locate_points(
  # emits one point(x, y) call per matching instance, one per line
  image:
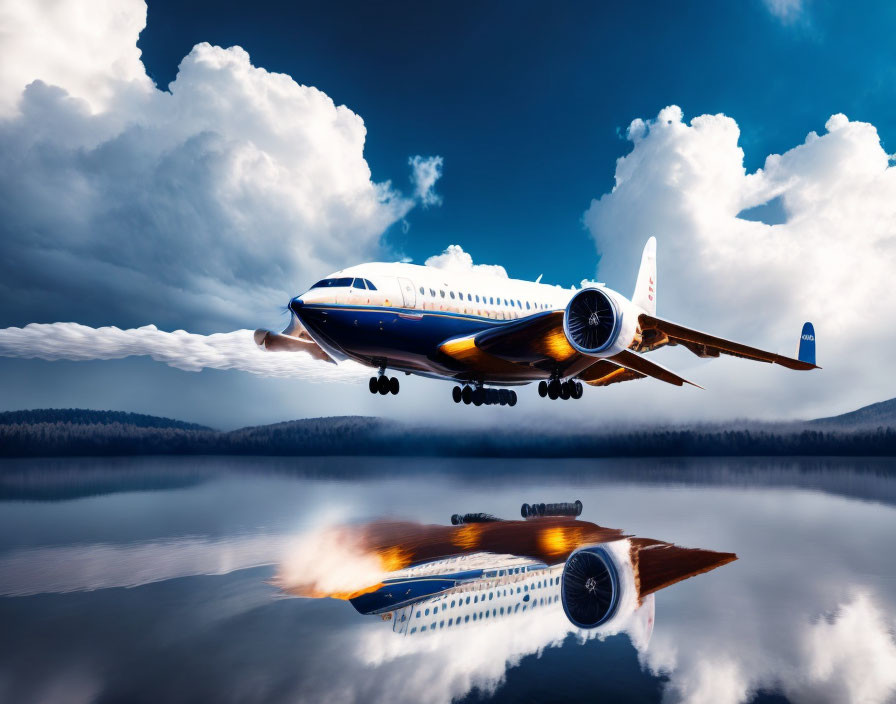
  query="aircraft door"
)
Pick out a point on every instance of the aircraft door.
point(408, 294)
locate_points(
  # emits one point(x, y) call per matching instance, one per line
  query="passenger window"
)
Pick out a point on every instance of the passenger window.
point(469, 297)
point(422, 292)
point(519, 304)
point(477, 298)
point(442, 293)
point(432, 292)
point(451, 293)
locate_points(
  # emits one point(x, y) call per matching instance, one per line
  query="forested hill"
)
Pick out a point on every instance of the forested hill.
point(877, 414)
point(80, 416)
point(74, 432)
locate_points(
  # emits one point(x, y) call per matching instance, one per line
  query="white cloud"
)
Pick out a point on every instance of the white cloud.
point(425, 171)
point(88, 49)
point(829, 262)
point(454, 258)
point(787, 11)
point(182, 350)
point(209, 204)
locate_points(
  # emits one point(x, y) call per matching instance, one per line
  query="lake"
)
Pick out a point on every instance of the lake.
point(176, 580)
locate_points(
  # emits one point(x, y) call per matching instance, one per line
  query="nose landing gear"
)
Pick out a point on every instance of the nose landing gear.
point(480, 395)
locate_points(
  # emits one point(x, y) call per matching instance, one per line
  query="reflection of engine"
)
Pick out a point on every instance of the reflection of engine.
point(591, 322)
point(590, 587)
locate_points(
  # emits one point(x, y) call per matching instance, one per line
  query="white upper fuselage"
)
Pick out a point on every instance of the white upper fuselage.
point(432, 289)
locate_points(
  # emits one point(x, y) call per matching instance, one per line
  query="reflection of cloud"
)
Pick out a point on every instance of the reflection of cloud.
point(73, 568)
point(180, 349)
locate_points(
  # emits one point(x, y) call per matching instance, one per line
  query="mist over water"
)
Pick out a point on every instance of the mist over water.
point(157, 577)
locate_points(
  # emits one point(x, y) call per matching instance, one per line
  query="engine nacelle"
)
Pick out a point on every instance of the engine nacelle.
point(590, 587)
point(595, 322)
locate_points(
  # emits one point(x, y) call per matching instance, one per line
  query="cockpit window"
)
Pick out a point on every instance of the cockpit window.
point(370, 286)
point(359, 283)
point(333, 283)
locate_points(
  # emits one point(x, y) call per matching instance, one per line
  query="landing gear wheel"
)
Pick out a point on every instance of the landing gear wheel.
point(456, 394)
point(554, 389)
point(564, 391)
point(372, 385)
point(492, 397)
point(542, 388)
point(478, 397)
point(503, 397)
point(393, 386)
point(512, 400)
point(576, 389)
point(467, 395)
point(382, 385)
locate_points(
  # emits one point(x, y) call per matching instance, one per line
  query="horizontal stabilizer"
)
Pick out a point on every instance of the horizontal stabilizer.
point(635, 362)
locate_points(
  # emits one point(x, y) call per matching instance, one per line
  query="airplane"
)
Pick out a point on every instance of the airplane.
point(489, 334)
point(440, 578)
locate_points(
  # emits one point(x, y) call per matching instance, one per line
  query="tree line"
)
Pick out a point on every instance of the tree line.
point(96, 435)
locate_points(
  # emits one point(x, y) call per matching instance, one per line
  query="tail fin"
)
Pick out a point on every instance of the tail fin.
point(645, 287)
point(806, 351)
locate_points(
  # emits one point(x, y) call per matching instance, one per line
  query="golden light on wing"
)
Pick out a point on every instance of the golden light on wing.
point(604, 373)
point(468, 536)
point(556, 346)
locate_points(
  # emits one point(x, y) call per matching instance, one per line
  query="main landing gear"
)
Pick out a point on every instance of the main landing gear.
point(555, 389)
point(383, 385)
point(479, 395)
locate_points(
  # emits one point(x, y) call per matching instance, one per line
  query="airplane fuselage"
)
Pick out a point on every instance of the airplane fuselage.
point(396, 316)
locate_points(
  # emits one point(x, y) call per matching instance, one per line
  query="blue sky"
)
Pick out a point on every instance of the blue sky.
point(205, 208)
point(527, 102)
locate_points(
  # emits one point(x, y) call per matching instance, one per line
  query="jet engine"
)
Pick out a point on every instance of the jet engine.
point(590, 587)
point(592, 321)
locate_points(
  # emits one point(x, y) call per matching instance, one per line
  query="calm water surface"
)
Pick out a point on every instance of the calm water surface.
point(161, 580)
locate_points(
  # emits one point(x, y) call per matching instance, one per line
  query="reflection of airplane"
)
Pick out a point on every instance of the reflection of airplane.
point(449, 577)
point(483, 329)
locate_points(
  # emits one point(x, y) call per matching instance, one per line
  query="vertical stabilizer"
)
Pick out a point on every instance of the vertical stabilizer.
point(645, 287)
point(806, 350)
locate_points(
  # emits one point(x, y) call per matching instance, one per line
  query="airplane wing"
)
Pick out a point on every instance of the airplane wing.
point(705, 345)
point(604, 373)
point(538, 341)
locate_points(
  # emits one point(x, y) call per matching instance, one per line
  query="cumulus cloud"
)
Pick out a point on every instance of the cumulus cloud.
point(454, 258)
point(179, 349)
point(825, 257)
point(203, 204)
point(425, 171)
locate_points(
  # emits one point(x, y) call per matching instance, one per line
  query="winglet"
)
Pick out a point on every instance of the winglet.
point(645, 287)
point(806, 351)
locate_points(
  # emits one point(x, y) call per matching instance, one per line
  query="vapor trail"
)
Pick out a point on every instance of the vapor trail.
point(179, 349)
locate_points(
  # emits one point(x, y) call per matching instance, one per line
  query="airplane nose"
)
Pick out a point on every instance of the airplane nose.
point(296, 304)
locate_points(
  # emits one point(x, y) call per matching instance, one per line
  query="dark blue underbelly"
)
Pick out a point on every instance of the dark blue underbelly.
point(399, 335)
